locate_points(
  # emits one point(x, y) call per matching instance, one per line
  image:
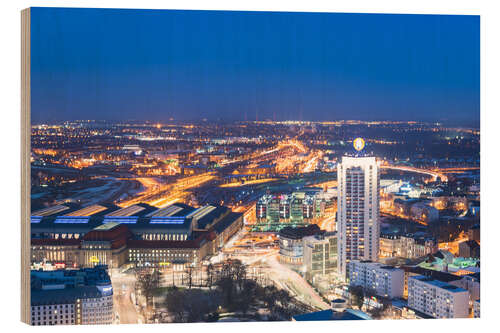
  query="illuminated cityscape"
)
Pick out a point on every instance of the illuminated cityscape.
point(175, 211)
point(287, 173)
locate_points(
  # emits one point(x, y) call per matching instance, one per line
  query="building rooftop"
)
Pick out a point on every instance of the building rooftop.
point(167, 244)
point(124, 230)
point(348, 314)
point(107, 226)
point(221, 225)
point(437, 283)
point(167, 211)
point(55, 242)
point(471, 244)
point(299, 233)
point(66, 286)
point(211, 215)
point(376, 264)
point(63, 296)
point(50, 210)
point(138, 218)
point(114, 233)
point(444, 260)
point(88, 211)
point(437, 275)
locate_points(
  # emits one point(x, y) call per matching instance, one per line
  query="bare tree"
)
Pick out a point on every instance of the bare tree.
point(210, 270)
point(189, 272)
point(174, 302)
point(147, 283)
point(193, 305)
point(357, 295)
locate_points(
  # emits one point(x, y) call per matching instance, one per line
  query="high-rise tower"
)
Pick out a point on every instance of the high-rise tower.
point(358, 227)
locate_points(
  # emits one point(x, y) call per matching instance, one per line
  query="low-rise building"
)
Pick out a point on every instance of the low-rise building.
point(330, 314)
point(408, 246)
point(436, 275)
point(166, 253)
point(477, 309)
point(445, 261)
point(423, 212)
point(436, 298)
point(390, 246)
point(174, 234)
point(474, 208)
point(106, 245)
point(225, 228)
point(474, 233)
point(418, 209)
point(291, 244)
point(71, 297)
point(415, 246)
point(61, 252)
point(471, 283)
point(382, 280)
point(320, 254)
point(469, 249)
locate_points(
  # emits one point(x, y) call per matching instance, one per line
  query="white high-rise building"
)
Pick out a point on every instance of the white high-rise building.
point(358, 225)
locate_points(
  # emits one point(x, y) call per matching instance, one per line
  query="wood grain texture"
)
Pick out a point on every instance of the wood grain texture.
point(25, 164)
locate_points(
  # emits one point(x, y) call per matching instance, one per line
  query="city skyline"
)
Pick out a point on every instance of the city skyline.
point(253, 66)
point(214, 166)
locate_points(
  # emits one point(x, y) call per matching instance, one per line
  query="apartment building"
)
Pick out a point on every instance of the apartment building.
point(383, 280)
point(436, 298)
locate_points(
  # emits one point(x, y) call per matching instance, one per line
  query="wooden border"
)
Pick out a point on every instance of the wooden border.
point(25, 164)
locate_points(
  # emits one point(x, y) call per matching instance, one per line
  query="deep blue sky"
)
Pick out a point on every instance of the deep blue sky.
point(153, 65)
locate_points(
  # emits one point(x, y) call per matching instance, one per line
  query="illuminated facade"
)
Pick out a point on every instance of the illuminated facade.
point(358, 210)
point(407, 246)
point(153, 239)
point(297, 207)
point(292, 244)
point(71, 297)
point(383, 280)
point(62, 252)
point(320, 254)
point(436, 298)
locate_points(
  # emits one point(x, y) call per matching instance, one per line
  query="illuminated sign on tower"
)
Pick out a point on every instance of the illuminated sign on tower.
point(358, 144)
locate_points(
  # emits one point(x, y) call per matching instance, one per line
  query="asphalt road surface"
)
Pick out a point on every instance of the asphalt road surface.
point(123, 287)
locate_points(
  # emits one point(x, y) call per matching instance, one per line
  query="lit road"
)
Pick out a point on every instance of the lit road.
point(149, 183)
point(179, 190)
point(310, 165)
point(457, 170)
point(249, 182)
point(328, 223)
point(454, 245)
point(292, 281)
point(434, 174)
point(123, 287)
point(265, 257)
point(176, 191)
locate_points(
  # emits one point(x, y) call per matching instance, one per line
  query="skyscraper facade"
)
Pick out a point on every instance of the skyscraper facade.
point(358, 209)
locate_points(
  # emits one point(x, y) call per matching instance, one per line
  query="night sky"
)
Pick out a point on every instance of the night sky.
point(189, 65)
